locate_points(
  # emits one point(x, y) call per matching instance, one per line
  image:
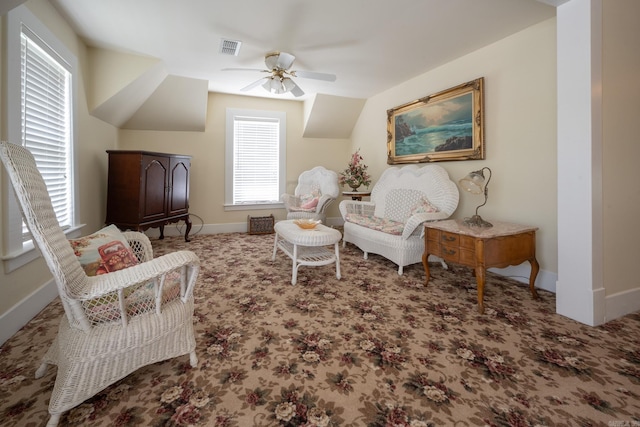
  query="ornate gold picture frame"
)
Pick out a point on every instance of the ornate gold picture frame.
point(447, 125)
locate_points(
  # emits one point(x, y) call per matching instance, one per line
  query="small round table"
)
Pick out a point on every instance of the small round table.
point(356, 195)
point(307, 246)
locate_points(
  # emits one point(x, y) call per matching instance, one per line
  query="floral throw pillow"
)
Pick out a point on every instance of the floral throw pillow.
point(311, 204)
point(306, 198)
point(308, 202)
point(104, 251)
point(424, 206)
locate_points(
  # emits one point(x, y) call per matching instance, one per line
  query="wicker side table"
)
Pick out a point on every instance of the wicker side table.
point(307, 247)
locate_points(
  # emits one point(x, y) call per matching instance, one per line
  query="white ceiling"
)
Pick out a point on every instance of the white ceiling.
point(370, 45)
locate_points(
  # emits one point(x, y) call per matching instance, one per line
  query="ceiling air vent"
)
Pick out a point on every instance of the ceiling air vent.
point(230, 47)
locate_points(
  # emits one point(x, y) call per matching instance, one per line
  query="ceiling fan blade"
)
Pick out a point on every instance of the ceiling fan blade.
point(245, 69)
point(296, 91)
point(313, 75)
point(285, 60)
point(254, 84)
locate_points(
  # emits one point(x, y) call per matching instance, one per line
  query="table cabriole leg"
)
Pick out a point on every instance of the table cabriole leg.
point(480, 272)
point(480, 281)
point(187, 221)
point(535, 267)
point(425, 264)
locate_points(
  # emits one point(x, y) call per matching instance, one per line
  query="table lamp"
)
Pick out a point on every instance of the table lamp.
point(475, 183)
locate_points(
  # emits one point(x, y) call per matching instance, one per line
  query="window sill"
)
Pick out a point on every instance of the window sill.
point(253, 206)
point(28, 253)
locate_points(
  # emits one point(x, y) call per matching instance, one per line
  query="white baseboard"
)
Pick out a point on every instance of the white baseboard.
point(545, 280)
point(21, 313)
point(621, 304)
point(237, 227)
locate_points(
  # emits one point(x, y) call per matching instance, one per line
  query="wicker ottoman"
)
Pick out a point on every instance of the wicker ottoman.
point(307, 247)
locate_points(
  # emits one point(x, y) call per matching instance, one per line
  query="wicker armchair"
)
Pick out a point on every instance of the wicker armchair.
point(316, 190)
point(93, 352)
point(390, 224)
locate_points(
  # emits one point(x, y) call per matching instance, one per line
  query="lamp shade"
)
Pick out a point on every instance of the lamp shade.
point(473, 182)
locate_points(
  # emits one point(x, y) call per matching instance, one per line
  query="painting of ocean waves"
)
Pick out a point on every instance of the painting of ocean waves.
point(442, 126)
point(429, 139)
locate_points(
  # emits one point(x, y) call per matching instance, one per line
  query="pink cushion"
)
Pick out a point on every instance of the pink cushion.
point(310, 204)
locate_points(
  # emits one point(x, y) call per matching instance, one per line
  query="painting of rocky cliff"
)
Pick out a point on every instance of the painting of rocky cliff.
point(443, 126)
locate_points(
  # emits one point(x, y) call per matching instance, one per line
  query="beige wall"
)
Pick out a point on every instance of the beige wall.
point(621, 147)
point(520, 133)
point(208, 151)
point(520, 130)
point(92, 138)
point(520, 142)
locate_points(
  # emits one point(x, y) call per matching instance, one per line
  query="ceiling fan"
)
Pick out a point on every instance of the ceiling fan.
point(279, 81)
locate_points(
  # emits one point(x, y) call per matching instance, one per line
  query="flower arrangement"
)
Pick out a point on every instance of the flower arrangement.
point(356, 174)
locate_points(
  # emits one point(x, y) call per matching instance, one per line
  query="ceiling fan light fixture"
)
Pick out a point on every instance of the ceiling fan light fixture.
point(280, 81)
point(274, 85)
point(267, 84)
point(288, 84)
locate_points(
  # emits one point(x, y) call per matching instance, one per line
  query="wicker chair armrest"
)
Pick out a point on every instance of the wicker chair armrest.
point(324, 202)
point(156, 268)
point(140, 244)
point(290, 201)
point(137, 290)
point(356, 207)
point(416, 220)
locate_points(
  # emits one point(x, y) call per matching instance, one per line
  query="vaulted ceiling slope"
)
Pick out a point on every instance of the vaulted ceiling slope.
point(370, 45)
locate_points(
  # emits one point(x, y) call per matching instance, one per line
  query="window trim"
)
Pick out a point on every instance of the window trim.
point(16, 252)
point(231, 113)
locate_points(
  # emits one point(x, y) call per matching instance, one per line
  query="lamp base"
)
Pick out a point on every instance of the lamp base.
point(477, 221)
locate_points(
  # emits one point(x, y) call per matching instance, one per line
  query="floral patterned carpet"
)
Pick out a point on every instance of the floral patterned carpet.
point(371, 349)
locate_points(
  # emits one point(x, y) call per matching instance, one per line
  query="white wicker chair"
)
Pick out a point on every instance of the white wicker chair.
point(92, 355)
point(318, 180)
point(393, 197)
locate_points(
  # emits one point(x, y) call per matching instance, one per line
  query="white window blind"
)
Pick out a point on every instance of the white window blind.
point(256, 160)
point(46, 121)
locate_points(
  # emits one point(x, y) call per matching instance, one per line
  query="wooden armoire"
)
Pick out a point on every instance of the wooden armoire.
point(148, 189)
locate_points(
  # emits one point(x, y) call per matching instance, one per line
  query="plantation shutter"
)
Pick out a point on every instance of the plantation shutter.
point(46, 122)
point(256, 160)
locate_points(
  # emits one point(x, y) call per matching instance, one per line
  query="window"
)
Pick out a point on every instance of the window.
point(40, 116)
point(255, 159)
point(46, 122)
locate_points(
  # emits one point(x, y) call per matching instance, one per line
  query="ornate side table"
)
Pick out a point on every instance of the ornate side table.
point(356, 195)
point(499, 246)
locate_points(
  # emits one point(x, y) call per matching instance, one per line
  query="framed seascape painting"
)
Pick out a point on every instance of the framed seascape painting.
point(447, 125)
